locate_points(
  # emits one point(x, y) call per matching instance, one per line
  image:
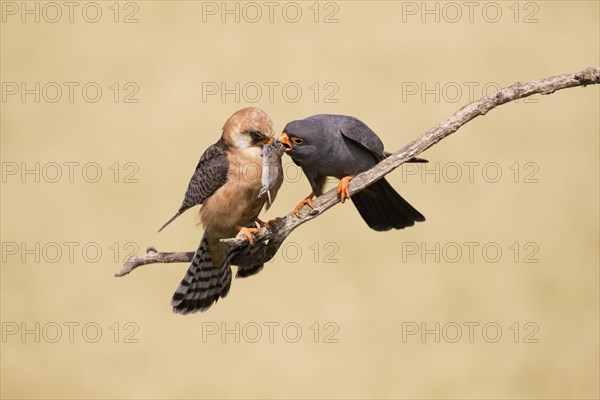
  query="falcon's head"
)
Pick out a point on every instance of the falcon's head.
point(248, 127)
point(304, 141)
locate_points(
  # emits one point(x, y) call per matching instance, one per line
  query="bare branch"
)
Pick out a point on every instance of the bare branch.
point(151, 257)
point(271, 239)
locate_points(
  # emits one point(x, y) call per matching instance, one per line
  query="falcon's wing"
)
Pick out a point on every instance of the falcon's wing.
point(362, 135)
point(210, 175)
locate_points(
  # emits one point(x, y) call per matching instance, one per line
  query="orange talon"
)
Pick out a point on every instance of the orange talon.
point(343, 188)
point(248, 232)
point(307, 201)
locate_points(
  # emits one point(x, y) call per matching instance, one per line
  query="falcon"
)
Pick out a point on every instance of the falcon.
point(342, 146)
point(227, 182)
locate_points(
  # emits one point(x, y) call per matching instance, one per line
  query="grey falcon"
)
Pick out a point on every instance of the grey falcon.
point(342, 146)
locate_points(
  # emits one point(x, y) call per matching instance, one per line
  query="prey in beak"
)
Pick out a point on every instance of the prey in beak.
point(285, 141)
point(267, 140)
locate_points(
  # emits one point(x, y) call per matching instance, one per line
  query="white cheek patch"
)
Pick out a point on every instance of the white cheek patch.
point(241, 142)
point(255, 151)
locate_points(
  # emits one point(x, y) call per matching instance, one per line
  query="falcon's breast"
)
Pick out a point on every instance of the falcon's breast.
point(236, 203)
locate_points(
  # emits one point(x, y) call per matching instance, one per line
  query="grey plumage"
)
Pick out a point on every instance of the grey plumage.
point(204, 283)
point(272, 171)
point(336, 145)
point(247, 250)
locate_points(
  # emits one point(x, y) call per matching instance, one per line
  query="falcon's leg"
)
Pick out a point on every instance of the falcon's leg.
point(307, 201)
point(248, 232)
point(343, 188)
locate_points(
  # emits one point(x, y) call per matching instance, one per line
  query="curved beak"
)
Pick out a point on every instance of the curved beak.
point(285, 141)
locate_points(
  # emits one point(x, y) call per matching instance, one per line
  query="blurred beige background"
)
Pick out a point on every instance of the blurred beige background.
point(344, 312)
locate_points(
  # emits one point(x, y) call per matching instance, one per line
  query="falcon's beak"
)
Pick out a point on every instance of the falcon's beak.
point(266, 140)
point(285, 141)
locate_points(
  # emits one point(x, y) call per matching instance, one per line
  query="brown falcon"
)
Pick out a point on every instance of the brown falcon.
point(227, 183)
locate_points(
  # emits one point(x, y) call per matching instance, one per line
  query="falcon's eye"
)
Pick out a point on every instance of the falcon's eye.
point(297, 140)
point(256, 135)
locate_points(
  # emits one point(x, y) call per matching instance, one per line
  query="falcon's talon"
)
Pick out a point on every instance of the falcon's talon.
point(229, 205)
point(248, 232)
point(307, 201)
point(343, 188)
point(342, 146)
point(269, 224)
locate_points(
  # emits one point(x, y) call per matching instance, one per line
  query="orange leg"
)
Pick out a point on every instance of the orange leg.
point(248, 232)
point(343, 188)
point(307, 201)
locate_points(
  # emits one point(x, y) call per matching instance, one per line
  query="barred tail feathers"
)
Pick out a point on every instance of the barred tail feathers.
point(204, 283)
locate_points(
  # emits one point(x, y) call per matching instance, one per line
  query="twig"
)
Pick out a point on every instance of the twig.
point(151, 257)
point(271, 239)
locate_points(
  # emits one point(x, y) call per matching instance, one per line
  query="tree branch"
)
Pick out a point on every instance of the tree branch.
point(151, 257)
point(270, 239)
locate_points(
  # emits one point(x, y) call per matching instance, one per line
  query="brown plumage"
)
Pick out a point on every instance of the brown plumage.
point(227, 182)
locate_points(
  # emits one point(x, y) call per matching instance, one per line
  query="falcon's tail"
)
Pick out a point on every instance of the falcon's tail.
point(203, 283)
point(383, 208)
